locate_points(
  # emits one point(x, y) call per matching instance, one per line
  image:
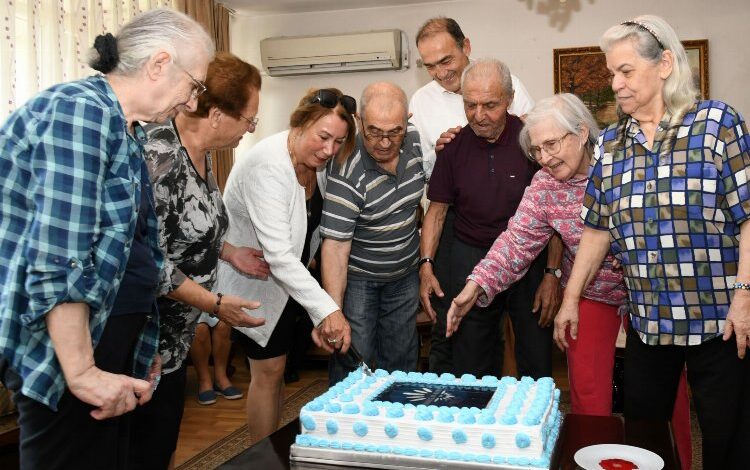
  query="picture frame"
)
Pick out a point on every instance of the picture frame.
point(583, 72)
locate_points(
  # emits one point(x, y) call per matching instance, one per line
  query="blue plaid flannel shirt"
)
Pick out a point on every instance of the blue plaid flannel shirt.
point(674, 217)
point(70, 178)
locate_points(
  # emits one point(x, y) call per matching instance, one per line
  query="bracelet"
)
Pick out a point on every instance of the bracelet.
point(219, 295)
point(426, 260)
point(741, 285)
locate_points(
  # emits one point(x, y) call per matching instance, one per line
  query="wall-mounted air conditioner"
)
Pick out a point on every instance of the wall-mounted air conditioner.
point(353, 52)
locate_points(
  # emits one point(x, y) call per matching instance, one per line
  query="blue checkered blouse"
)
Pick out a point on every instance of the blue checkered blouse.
point(70, 178)
point(674, 216)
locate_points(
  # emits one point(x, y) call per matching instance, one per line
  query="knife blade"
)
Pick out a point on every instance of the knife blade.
point(359, 360)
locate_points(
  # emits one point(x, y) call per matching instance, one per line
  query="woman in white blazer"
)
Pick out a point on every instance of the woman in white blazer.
point(274, 202)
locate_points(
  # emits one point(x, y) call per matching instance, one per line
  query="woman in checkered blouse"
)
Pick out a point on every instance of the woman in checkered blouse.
point(668, 192)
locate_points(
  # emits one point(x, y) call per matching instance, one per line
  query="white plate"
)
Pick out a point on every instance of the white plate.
point(589, 457)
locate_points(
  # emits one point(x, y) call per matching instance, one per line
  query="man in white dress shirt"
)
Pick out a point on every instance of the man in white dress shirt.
point(435, 108)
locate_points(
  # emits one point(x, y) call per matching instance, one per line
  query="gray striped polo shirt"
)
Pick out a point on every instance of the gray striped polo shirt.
point(377, 211)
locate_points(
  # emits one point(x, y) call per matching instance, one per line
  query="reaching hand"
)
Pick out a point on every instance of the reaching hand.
point(460, 307)
point(250, 261)
point(153, 377)
point(232, 312)
point(333, 333)
point(428, 284)
point(111, 394)
point(446, 137)
point(566, 317)
point(547, 300)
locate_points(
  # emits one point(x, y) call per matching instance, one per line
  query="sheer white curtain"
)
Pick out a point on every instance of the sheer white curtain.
point(47, 41)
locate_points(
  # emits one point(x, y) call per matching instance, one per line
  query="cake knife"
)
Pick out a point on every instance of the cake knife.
point(359, 360)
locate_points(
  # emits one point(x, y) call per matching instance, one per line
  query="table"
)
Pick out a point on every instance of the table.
point(578, 431)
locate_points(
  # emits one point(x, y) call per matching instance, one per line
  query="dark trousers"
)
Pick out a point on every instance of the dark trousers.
point(477, 347)
point(155, 426)
point(70, 437)
point(719, 383)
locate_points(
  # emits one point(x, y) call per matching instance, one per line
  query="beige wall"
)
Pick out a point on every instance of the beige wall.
point(512, 30)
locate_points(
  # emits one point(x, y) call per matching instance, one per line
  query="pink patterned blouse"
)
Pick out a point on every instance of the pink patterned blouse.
point(547, 206)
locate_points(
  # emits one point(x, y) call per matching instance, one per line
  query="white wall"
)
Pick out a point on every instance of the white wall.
point(516, 31)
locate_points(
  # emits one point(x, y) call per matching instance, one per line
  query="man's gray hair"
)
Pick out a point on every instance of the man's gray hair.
point(155, 30)
point(488, 69)
point(383, 89)
point(568, 111)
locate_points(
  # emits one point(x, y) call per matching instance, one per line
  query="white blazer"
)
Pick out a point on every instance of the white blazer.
point(266, 207)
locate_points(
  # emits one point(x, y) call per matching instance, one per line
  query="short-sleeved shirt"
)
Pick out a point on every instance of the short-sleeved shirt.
point(377, 211)
point(674, 217)
point(70, 186)
point(483, 181)
point(193, 222)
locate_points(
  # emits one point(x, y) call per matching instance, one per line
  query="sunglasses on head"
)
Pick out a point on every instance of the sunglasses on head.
point(330, 99)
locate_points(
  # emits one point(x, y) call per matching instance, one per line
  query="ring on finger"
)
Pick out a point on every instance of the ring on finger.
point(332, 340)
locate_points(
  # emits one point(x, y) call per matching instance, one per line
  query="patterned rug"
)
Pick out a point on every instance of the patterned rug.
point(239, 440)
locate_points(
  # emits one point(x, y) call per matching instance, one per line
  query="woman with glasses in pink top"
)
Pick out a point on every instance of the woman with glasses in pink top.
point(559, 134)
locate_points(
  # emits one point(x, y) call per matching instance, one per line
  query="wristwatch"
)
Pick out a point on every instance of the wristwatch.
point(557, 272)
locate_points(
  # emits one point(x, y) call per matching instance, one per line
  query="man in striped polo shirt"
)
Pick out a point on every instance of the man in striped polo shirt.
point(371, 246)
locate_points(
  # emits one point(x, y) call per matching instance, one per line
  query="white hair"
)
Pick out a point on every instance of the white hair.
point(489, 69)
point(570, 114)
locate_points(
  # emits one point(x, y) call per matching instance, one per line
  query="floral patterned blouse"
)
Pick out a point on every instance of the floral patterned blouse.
point(547, 206)
point(192, 224)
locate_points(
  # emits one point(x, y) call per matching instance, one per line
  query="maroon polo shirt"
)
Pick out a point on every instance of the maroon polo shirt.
point(483, 181)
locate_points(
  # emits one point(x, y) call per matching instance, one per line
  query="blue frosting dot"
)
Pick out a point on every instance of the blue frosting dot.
point(486, 418)
point(469, 457)
point(333, 407)
point(459, 437)
point(322, 443)
point(395, 412)
point(335, 445)
point(384, 449)
point(512, 460)
point(359, 447)
point(332, 426)
point(488, 441)
point(423, 415)
point(508, 380)
point(351, 409)
point(499, 459)
point(411, 451)
point(441, 454)
point(447, 376)
point(509, 419)
point(391, 430)
point(409, 406)
point(466, 418)
point(315, 405)
point(346, 397)
point(347, 446)
point(380, 373)
point(369, 380)
point(398, 374)
point(527, 380)
point(489, 379)
point(469, 378)
point(360, 428)
point(454, 455)
point(414, 375)
point(369, 409)
point(483, 458)
point(307, 422)
point(445, 416)
point(424, 434)
point(523, 440)
point(429, 376)
point(302, 440)
point(371, 448)
point(426, 453)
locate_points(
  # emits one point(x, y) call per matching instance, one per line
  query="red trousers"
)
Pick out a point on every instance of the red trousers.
point(591, 360)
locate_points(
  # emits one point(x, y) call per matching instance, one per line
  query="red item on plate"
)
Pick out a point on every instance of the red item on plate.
point(617, 464)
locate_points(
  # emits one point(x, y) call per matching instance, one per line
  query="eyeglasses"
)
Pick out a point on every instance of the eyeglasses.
point(550, 147)
point(198, 86)
point(329, 99)
point(377, 136)
point(253, 120)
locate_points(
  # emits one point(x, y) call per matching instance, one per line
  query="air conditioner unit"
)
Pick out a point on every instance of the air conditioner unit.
point(353, 52)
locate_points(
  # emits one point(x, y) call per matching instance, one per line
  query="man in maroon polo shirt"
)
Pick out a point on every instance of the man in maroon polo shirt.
point(482, 173)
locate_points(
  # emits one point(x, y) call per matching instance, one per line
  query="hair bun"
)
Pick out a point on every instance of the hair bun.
point(106, 46)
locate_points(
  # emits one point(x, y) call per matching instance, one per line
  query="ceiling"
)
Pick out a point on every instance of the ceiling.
point(272, 7)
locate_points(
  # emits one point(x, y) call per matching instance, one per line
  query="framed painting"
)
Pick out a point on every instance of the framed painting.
point(583, 72)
